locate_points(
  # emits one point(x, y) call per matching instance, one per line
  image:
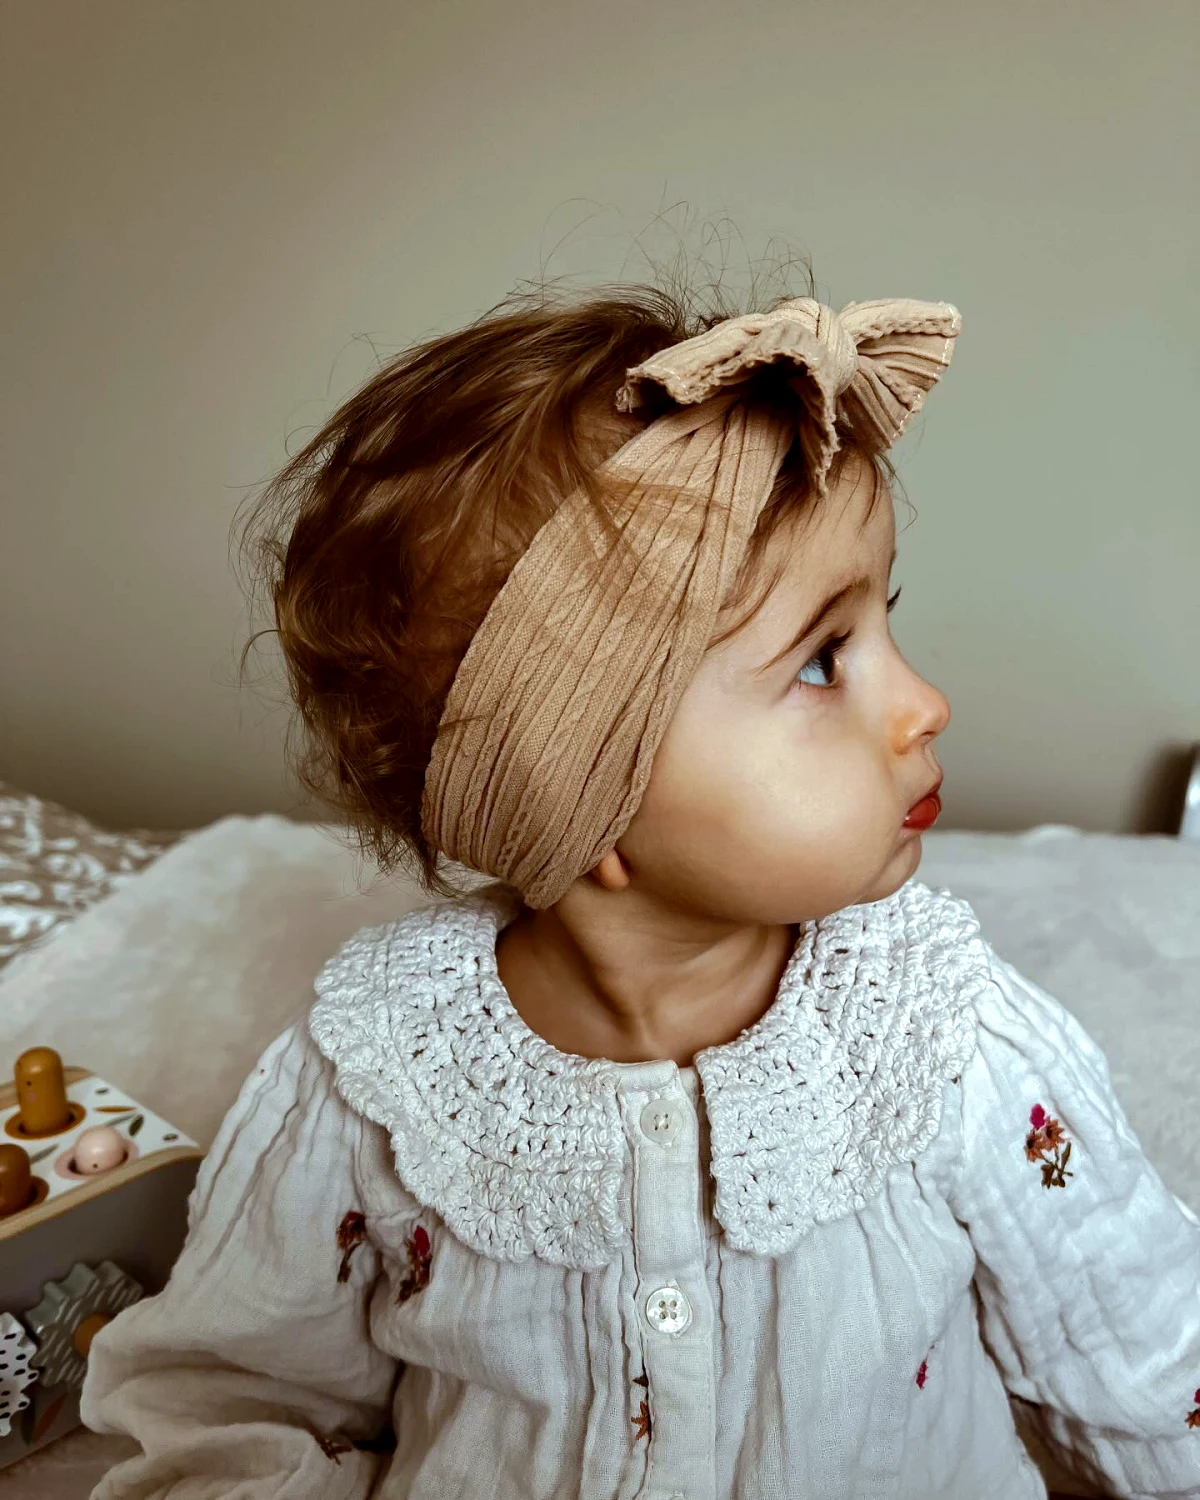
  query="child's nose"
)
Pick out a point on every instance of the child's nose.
point(923, 716)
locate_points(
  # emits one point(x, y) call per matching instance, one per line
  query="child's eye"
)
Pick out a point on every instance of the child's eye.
point(824, 662)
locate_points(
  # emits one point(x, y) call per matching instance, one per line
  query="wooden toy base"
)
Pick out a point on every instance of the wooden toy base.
point(133, 1216)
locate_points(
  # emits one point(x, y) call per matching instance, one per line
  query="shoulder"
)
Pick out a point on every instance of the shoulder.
point(287, 1127)
point(1037, 1103)
point(290, 1071)
point(1016, 1025)
point(1046, 1145)
point(385, 997)
point(1029, 1041)
point(360, 1019)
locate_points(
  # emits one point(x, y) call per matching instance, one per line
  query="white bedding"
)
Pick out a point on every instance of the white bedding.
point(173, 985)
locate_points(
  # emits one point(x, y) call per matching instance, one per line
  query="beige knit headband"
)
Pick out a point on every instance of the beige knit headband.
point(569, 683)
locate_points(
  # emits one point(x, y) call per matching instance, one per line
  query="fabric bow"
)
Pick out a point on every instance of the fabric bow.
point(869, 365)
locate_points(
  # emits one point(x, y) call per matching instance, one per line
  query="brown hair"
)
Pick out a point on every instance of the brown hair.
point(382, 543)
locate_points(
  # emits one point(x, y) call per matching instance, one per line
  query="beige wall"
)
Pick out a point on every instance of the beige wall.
point(215, 208)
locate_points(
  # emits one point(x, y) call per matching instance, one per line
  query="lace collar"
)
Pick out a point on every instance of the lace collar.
point(520, 1147)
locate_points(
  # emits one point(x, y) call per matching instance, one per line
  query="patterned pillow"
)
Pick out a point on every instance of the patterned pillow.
point(54, 864)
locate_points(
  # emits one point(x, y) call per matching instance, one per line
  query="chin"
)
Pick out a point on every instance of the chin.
point(910, 857)
point(900, 868)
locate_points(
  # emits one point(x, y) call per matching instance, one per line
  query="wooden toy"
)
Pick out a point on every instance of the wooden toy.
point(94, 1190)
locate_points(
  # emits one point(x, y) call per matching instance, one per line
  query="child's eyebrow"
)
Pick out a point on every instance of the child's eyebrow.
point(855, 589)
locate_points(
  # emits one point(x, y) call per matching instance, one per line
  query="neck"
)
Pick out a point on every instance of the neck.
point(635, 991)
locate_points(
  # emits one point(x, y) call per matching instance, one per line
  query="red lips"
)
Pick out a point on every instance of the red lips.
point(925, 813)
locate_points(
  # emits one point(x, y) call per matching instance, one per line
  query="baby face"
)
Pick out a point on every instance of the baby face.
point(779, 791)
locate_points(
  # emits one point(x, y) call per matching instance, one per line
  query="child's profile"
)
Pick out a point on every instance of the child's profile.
point(703, 1151)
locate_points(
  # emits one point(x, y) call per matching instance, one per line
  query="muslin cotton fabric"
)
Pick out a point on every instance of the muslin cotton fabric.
point(561, 1277)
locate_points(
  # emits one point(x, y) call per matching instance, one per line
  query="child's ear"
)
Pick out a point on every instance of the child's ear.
point(612, 872)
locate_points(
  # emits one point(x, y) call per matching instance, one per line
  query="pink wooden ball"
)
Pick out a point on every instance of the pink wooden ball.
point(99, 1149)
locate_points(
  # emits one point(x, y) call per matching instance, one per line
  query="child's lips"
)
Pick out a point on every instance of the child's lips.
point(925, 813)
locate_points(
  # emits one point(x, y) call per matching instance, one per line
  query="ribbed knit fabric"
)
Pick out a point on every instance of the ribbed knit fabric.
point(560, 702)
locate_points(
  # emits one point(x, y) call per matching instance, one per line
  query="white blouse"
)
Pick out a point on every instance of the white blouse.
point(830, 1259)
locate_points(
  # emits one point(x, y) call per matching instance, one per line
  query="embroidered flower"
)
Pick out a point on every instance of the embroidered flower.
point(352, 1231)
point(642, 1420)
point(1042, 1144)
point(1193, 1417)
point(420, 1259)
point(922, 1373)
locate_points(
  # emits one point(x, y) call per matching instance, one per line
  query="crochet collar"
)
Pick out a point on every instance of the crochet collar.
point(521, 1148)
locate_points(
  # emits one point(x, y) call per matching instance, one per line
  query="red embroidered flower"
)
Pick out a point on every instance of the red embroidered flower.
point(922, 1373)
point(420, 1260)
point(642, 1420)
point(1046, 1137)
point(352, 1231)
point(1193, 1417)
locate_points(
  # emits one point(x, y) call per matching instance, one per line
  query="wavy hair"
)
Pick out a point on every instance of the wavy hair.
point(379, 547)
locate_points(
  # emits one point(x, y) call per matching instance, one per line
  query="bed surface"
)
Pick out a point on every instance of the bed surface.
point(55, 863)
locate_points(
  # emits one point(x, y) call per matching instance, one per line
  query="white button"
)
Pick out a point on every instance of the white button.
point(668, 1309)
point(660, 1122)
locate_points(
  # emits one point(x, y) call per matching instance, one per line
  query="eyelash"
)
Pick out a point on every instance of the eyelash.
point(830, 651)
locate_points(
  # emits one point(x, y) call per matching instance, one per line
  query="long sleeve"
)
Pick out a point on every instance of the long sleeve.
point(252, 1373)
point(1088, 1267)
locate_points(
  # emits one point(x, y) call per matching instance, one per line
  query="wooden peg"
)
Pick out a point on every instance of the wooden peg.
point(87, 1331)
point(42, 1092)
point(16, 1179)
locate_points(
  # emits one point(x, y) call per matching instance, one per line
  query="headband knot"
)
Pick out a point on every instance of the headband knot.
point(550, 727)
point(868, 366)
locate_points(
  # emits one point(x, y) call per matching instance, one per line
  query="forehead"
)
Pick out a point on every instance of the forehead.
point(851, 531)
point(809, 557)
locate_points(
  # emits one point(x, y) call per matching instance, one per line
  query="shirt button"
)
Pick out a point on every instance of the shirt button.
point(668, 1310)
point(660, 1122)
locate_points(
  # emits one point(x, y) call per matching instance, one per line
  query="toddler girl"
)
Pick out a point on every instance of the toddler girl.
point(701, 1152)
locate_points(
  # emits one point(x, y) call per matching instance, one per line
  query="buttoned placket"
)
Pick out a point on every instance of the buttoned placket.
point(673, 1306)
